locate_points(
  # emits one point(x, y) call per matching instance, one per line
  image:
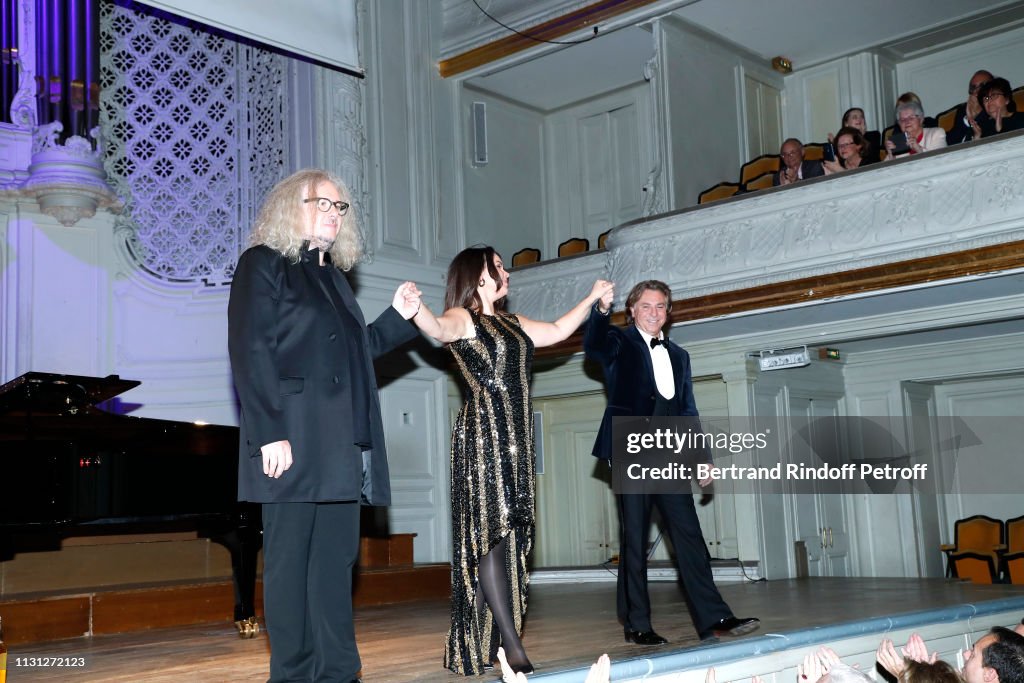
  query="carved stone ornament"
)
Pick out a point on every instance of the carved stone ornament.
point(68, 181)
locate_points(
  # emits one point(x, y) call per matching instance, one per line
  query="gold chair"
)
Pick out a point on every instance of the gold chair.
point(814, 151)
point(573, 245)
point(524, 256)
point(602, 239)
point(974, 567)
point(761, 182)
point(947, 119)
point(980, 535)
point(719, 191)
point(1018, 98)
point(755, 168)
point(1013, 560)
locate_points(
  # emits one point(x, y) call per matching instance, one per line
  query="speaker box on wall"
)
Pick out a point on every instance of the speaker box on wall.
point(479, 133)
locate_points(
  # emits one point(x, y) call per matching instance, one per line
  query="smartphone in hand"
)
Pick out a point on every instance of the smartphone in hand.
point(828, 152)
point(899, 138)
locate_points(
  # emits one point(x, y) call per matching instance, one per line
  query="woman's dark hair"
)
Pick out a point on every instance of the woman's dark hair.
point(1000, 85)
point(846, 114)
point(464, 278)
point(858, 139)
point(928, 672)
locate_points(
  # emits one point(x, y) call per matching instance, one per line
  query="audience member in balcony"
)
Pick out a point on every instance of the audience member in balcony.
point(997, 98)
point(970, 111)
point(492, 459)
point(793, 167)
point(851, 149)
point(919, 138)
point(312, 439)
point(854, 118)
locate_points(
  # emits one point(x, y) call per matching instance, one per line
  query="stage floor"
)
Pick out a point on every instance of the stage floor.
point(568, 626)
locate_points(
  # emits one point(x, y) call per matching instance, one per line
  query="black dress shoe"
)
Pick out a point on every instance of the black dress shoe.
point(732, 626)
point(644, 637)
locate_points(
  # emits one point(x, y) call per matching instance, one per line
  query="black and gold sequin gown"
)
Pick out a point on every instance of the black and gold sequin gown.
point(492, 482)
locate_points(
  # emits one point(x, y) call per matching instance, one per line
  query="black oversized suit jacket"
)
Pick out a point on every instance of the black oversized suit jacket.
point(293, 382)
point(629, 375)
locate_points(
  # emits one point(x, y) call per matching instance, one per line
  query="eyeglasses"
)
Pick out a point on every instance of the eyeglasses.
point(908, 119)
point(844, 145)
point(324, 204)
point(992, 96)
point(790, 154)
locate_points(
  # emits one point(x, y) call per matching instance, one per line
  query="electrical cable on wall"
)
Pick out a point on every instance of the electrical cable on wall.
point(527, 35)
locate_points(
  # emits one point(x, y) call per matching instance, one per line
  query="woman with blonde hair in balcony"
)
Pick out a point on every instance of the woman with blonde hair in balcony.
point(851, 149)
point(916, 138)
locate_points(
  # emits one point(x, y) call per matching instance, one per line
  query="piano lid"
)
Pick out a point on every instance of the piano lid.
point(52, 393)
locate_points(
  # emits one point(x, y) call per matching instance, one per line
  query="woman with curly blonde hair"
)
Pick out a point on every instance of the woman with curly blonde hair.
point(311, 442)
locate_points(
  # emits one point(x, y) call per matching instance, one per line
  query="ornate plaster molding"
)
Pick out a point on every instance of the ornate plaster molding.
point(68, 181)
point(23, 104)
point(952, 201)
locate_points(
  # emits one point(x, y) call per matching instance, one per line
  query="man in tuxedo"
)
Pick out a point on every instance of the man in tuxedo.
point(646, 374)
point(794, 168)
point(970, 111)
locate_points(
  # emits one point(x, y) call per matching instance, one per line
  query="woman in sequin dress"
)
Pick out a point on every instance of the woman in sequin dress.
point(492, 455)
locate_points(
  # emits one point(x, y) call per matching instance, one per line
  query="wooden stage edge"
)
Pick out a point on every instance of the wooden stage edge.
point(42, 617)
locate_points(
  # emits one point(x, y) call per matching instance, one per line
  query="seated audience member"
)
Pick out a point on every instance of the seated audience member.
point(997, 98)
point(851, 149)
point(908, 96)
point(968, 112)
point(919, 138)
point(854, 118)
point(793, 167)
point(997, 657)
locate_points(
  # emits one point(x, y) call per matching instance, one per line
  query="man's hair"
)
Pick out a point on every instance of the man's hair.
point(985, 72)
point(789, 140)
point(283, 219)
point(464, 276)
point(925, 672)
point(1006, 655)
point(638, 291)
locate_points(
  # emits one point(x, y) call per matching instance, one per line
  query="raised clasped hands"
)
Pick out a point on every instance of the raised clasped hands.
point(407, 299)
point(603, 292)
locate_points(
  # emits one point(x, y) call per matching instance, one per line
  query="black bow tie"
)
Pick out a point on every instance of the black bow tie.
point(657, 342)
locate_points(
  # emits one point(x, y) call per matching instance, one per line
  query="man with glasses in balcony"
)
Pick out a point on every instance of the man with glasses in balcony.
point(970, 112)
point(793, 168)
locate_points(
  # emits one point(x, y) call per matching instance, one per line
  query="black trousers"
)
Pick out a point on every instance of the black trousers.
point(683, 528)
point(309, 552)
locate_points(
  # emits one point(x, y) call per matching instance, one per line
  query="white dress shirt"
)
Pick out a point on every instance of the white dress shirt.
point(663, 377)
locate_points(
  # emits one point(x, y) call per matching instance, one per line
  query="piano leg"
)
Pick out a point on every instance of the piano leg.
point(244, 544)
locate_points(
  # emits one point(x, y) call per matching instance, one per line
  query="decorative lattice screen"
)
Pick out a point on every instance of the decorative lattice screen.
point(194, 126)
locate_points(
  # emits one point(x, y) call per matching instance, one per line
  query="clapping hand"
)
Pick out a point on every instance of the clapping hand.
point(890, 660)
point(916, 650)
point(600, 671)
point(816, 665)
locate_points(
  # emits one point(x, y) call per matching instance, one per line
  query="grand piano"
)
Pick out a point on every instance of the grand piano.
point(71, 468)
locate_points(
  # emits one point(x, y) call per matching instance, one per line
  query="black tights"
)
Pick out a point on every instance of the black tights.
point(494, 589)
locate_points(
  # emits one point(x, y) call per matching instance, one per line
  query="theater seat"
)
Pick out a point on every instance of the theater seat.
point(719, 191)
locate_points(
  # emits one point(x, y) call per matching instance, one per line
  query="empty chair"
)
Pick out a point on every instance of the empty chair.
point(602, 239)
point(524, 256)
point(979, 535)
point(755, 168)
point(573, 245)
point(974, 567)
point(719, 191)
point(1013, 561)
point(761, 182)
